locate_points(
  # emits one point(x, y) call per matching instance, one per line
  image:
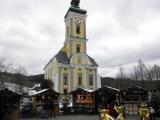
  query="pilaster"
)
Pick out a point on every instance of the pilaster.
point(59, 80)
point(72, 79)
point(87, 78)
point(95, 79)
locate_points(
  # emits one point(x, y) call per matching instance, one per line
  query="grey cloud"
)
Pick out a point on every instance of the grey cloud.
point(131, 13)
point(146, 53)
point(32, 32)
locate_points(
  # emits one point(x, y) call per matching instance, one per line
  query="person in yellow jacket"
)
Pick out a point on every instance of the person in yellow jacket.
point(144, 112)
point(105, 115)
point(120, 111)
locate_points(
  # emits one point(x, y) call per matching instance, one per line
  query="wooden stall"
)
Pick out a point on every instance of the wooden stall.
point(106, 97)
point(155, 101)
point(46, 99)
point(9, 104)
point(83, 101)
point(132, 97)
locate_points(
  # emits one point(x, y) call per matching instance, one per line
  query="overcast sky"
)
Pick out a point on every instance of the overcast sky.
point(119, 31)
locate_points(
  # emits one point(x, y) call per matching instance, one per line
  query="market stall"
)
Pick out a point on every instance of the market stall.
point(155, 101)
point(83, 101)
point(106, 97)
point(45, 102)
point(132, 97)
point(9, 103)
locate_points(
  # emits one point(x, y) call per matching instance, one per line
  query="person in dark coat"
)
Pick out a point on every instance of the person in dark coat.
point(52, 108)
point(152, 113)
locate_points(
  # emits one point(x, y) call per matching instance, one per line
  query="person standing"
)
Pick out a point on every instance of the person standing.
point(120, 111)
point(144, 112)
point(105, 115)
point(52, 108)
point(152, 113)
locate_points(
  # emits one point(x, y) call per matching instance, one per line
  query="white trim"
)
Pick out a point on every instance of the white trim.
point(112, 88)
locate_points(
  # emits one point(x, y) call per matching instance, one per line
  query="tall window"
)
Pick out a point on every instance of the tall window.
point(65, 79)
point(78, 49)
point(91, 80)
point(65, 91)
point(78, 29)
point(79, 79)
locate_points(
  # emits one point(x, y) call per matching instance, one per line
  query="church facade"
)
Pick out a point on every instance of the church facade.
point(71, 67)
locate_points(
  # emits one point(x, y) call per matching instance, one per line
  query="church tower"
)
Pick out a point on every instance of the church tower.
point(75, 38)
point(71, 67)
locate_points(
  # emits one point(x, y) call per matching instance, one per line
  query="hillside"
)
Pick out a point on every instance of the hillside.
point(124, 83)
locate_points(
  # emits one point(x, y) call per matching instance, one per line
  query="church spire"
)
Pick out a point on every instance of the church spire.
point(75, 3)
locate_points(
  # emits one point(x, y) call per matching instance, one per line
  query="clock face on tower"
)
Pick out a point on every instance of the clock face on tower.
point(78, 20)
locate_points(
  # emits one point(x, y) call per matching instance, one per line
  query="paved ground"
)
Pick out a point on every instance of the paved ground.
point(83, 117)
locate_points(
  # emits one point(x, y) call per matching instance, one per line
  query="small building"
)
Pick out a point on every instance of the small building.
point(132, 97)
point(9, 104)
point(155, 101)
point(106, 97)
point(83, 101)
point(44, 98)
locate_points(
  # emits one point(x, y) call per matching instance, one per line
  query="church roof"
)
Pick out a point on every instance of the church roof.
point(77, 10)
point(93, 61)
point(62, 57)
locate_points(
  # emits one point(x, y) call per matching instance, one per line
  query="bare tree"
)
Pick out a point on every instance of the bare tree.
point(2, 64)
point(4, 67)
point(121, 73)
point(21, 70)
point(134, 73)
point(156, 72)
point(141, 69)
point(149, 73)
point(20, 73)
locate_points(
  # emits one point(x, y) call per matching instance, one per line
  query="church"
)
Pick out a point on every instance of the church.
point(71, 67)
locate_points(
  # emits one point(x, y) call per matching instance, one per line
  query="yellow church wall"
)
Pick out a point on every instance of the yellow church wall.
point(82, 28)
point(55, 68)
point(67, 28)
point(74, 46)
point(83, 72)
point(67, 49)
point(65, 70)
point(48, 71)
point(71, 47)
point(51, 70)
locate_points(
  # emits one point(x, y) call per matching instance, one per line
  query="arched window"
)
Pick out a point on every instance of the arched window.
point(65, 91)
point(91, 80)
point(65, 79)
point(78, 29)
point(79, 79)
point(78, 49)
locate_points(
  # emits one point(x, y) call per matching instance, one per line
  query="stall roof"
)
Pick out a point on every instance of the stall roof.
point(104, 88)
point(135, 90)
point(83, 89)
point(9, 91)
point(33, 92)
point(134, 87)
point(112, 88)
